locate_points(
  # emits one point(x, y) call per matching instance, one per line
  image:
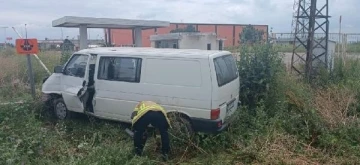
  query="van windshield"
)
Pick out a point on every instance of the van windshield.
point(225, 68)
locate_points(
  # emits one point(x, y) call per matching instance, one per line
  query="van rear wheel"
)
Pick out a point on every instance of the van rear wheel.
point(181, 131)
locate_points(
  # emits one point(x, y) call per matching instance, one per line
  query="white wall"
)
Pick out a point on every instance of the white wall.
point(330, 55)
point(189, 41)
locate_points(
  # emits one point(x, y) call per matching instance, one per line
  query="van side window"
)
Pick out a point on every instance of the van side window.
point(225, 68)
point(76, 66)
point(120, 69)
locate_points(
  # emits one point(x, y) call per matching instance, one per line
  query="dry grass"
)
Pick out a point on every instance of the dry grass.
point(333, 105)
point(12, 82)
point(282, 149)
point(10, 71)
point(278, 148)
point(13, 72)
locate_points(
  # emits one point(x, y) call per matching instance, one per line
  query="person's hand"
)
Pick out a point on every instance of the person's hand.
point(133, 114)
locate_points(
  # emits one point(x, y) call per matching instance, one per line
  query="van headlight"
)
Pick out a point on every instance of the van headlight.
point(45, 97)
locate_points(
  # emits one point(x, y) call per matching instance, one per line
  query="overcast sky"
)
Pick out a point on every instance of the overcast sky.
point(39, 14)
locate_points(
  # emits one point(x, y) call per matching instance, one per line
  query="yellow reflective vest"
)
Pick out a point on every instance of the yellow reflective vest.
point(145, 106)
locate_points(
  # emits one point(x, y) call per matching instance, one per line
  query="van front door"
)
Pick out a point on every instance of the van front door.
point(74, 75)
point(117, 79)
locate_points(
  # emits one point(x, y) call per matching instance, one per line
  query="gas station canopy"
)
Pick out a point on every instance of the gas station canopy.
point(113, 23)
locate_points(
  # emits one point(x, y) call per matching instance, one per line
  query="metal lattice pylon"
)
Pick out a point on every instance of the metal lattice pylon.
point(294, 24)
point(310, 20)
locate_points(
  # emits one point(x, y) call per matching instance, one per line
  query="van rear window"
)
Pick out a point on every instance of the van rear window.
point(225, 68)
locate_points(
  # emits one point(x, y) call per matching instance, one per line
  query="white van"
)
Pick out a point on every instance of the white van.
point(200, 85)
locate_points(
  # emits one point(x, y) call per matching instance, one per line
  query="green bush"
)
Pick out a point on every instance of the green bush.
point(258, 68)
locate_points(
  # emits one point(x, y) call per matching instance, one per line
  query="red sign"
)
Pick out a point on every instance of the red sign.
point(27, 46)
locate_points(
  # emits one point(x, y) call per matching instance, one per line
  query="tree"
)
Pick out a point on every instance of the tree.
point(250, 35)
point(188, 28)
point(67, 47)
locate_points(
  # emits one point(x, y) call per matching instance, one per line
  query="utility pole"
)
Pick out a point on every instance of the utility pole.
point(62, 34)
point(310, 19)
point(4, 27)
point(339, 36)
point(30, 70)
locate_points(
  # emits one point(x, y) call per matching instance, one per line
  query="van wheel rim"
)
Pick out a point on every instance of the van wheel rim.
point(61, 110)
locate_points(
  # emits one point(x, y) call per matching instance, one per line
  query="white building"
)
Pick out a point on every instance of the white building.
point(325, 60)
point(187, 40)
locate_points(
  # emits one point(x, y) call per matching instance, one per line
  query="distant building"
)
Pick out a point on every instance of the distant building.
point(187, 40)
point(55, 44)
point(8, 45)
point(230, 32)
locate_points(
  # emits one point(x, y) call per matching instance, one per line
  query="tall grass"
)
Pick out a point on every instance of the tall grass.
point(14, 80)
point(282, 121)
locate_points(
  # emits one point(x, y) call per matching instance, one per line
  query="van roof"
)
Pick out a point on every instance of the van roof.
point(149, 51)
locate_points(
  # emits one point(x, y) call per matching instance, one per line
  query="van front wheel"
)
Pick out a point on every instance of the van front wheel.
point(60, 110)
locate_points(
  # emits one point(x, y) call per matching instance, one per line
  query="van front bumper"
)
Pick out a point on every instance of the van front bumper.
point(208, 126)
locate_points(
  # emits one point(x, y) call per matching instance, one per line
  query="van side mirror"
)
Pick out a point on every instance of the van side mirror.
point(58, 69)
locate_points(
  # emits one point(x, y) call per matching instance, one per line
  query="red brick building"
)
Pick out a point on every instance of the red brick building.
point(230, 32)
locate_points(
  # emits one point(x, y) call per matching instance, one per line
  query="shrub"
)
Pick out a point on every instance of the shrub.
point(258, 68)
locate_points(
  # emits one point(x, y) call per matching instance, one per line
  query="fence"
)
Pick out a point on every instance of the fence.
point(348, 43)
point(339, 38)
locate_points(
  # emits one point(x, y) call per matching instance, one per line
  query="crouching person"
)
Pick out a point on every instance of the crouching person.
point(145, 113)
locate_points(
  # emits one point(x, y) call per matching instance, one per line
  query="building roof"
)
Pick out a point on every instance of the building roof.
point(170, 36)
point(218, 24)
point(149, 51)
point(115, 23)
point(177, 36)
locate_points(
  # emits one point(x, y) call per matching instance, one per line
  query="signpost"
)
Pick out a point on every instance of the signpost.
point(27, 47)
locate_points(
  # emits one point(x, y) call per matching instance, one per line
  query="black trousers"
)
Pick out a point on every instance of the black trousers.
point(157, 120)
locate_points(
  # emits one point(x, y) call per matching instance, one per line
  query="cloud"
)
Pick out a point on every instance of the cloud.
point(39, 14)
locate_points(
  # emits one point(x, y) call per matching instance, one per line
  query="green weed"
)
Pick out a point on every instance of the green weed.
point(282, 120)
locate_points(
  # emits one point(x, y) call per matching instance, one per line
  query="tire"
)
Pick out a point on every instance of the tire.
point(60, 110)
point(181, 134)
point(181, 127)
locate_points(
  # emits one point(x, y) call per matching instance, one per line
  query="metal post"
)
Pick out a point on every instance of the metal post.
point(138, 37)
point(5, 35)
point(5, 38)
point(339, 46)
point(31, 76)
point(327, 38)
point(310, 40)
point(83, 37)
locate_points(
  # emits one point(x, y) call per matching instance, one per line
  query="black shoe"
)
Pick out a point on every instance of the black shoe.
point(137, 152)
point(165, 157)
